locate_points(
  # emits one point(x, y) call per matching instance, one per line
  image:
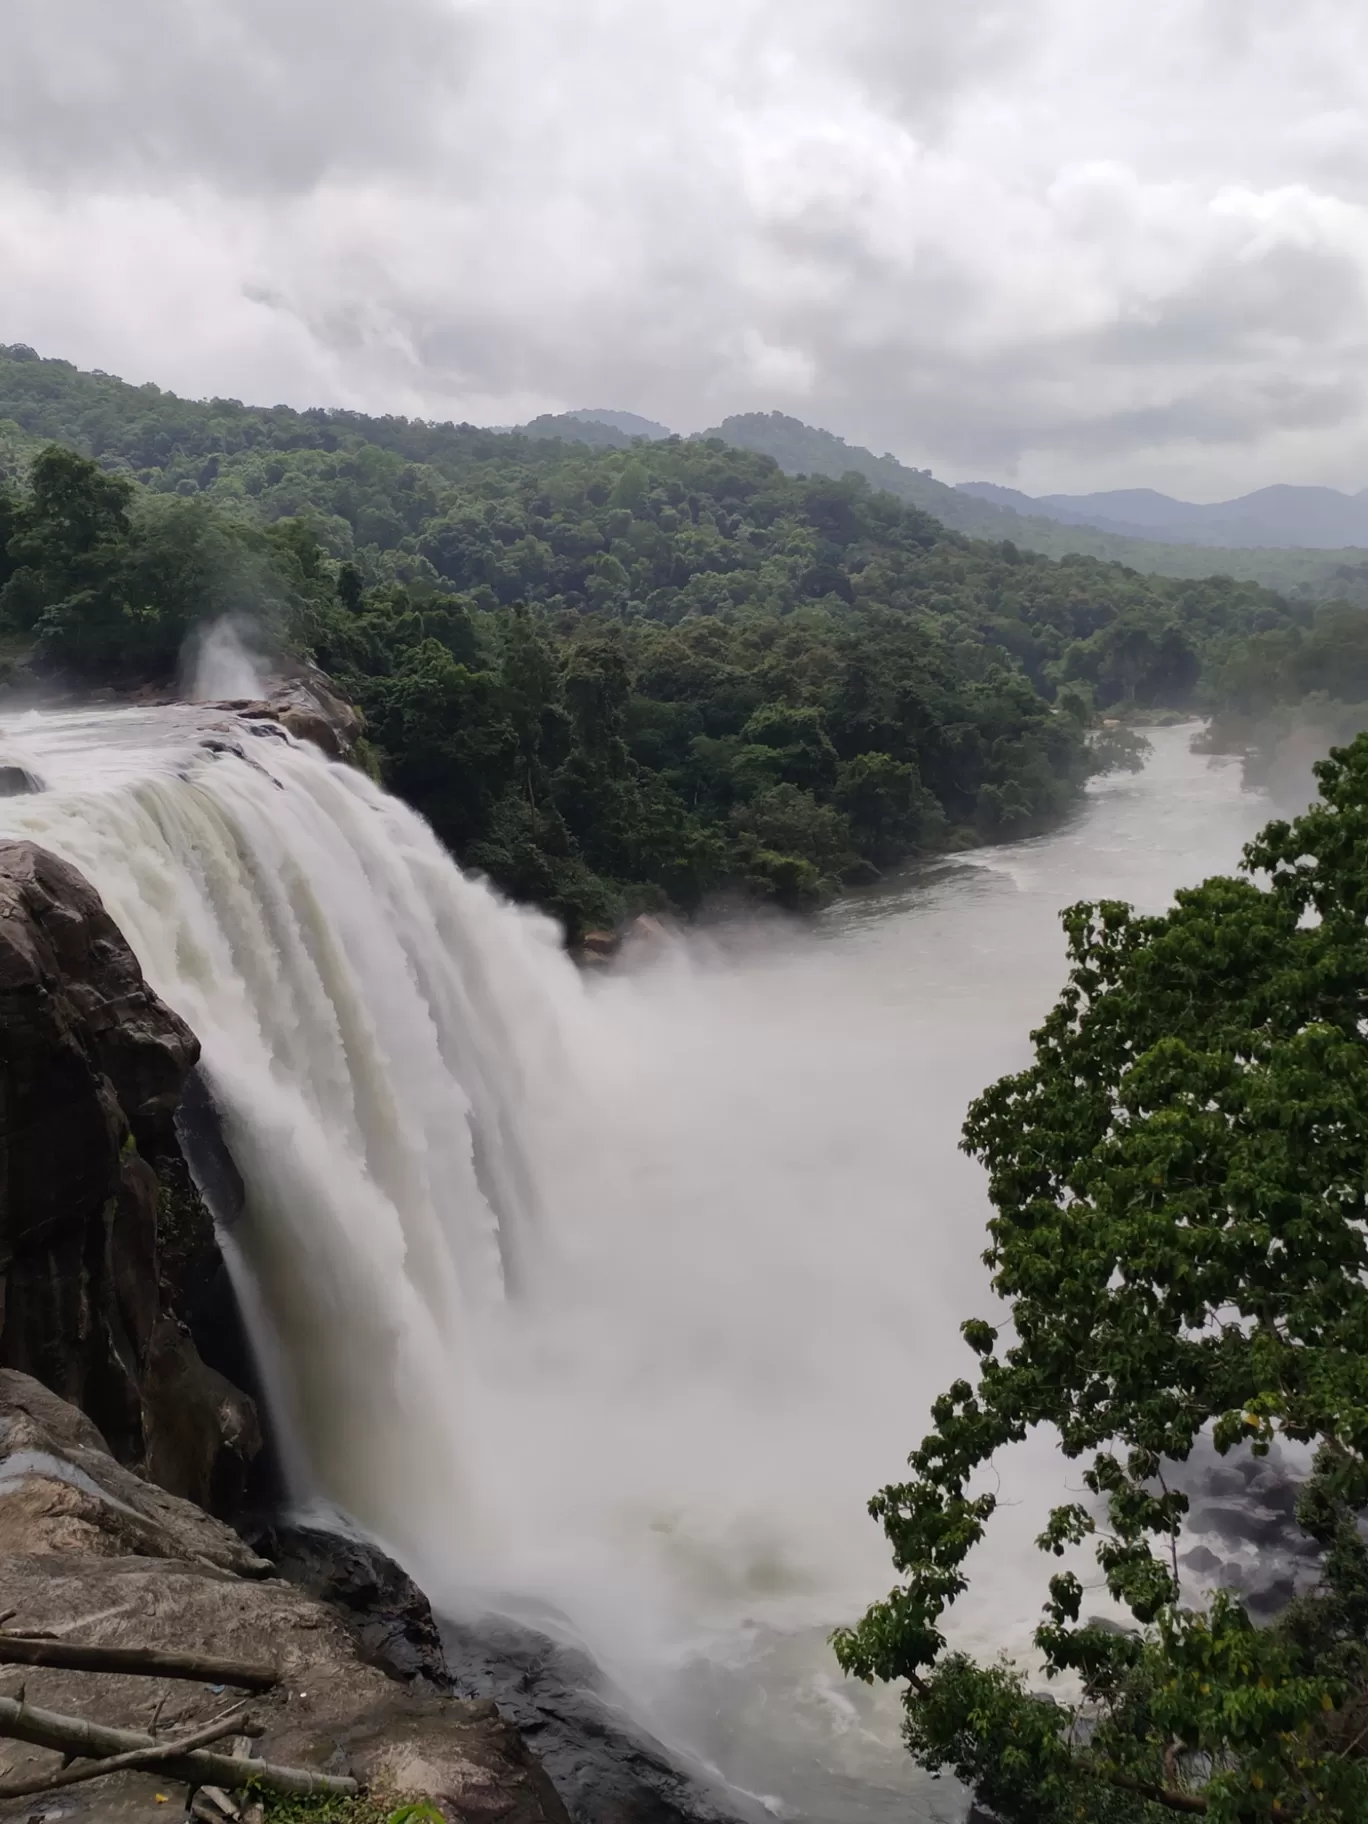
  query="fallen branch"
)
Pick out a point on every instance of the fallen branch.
point(140, 1662)
point(135, 1758)
point(1188, 1802)
point(76, 1736)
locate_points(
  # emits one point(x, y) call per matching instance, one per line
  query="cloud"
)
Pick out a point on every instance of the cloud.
point(1068, 244)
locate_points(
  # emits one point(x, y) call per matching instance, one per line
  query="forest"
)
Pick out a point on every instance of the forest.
point(614, 679)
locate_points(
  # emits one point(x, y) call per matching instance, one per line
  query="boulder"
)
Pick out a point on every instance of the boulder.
point(309, 707)
point(95, 1555)
point(605, 1766)
point(388, 1616)
point(92, 1069)
point(63, 1495)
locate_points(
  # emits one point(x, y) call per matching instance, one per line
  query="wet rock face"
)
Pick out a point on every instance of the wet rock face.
point(606, 1769)
point(603, 1766)
point(310, 709)
point(386, 1613)
point(92, 1067)
point(1241, 1532)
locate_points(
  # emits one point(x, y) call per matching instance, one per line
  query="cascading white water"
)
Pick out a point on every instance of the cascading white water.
point(377, 1029)
point(723, 1187)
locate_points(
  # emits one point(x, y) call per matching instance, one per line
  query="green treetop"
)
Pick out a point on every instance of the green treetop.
point(1179, 1187)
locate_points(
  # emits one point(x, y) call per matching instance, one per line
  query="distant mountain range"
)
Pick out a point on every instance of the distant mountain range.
point(1311, 542)
point(1312, 519)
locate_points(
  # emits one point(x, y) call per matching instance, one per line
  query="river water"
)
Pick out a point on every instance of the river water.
point(763, 1305)
point(609, 1300)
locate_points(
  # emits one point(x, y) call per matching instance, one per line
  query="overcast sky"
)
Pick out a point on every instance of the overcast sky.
point(1059, 243)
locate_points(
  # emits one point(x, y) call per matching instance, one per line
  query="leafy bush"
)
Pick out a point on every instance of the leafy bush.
point(1181, 1233)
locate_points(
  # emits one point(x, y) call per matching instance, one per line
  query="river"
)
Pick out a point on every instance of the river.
point(609, 1300)
point(764, 1264)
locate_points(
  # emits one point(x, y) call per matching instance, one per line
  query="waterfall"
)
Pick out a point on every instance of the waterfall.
point(377, 1032)
point(609, 1301)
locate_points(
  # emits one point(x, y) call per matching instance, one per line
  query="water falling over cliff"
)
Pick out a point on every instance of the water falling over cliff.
point(614, 1300)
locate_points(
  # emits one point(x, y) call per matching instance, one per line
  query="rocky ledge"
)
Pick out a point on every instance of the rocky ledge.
point(307, 706)
point(101, 1232)
point(95, 1555)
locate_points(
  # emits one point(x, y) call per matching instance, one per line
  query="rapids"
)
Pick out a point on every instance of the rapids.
point(608, 1300)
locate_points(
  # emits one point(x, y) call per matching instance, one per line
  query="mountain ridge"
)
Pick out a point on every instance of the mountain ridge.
point(1283, 516)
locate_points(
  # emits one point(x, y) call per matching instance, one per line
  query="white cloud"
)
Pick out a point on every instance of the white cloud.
point(1070, 244)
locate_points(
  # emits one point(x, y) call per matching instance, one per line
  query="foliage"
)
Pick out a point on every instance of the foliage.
point(1179, 1186)
point(110, 580)
point(613, 678)
point(283, 1808)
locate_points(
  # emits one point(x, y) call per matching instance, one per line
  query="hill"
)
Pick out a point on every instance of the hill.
point(983, 510)
point(1317, 519)
point(632, 424)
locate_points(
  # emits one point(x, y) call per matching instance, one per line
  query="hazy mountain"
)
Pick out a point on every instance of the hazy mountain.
point(984, 511)
point(601, 430)
point(573, 429)
point(1314, 519)
point(801, 449)
point(631, 423)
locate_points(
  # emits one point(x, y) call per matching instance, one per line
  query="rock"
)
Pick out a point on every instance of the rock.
point(1241, 1531)
point(640, 936)
point(310, 709)
point(92, 1068)
point(598, 946)
point(312, 725)
point(332, 1711)
point(387, 1614)
point(62, 1493)
point(606, 1769)
point(16, 781)
point(208, 1463)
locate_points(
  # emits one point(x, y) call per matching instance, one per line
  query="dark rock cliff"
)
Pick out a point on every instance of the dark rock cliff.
point(92, 1068)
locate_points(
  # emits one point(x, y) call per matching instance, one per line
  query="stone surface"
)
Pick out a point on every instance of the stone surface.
point(94, 1555)
point(92, 1067)
point(606, 1769)
point(388, 1616)
point(63, 1494)
point(310, 708)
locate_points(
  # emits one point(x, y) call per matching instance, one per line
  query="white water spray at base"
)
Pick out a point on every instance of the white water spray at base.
point(724, 1186)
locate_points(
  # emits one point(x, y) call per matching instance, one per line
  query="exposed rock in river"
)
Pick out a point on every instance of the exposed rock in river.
point(310, 708)
point(95, 1555)
point(92, 1067)
point(605, 1767)
point(389, 1617)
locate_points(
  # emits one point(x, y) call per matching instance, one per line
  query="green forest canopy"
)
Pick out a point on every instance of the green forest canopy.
point(623, 677)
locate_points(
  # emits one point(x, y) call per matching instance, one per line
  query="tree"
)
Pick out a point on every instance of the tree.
point(888, 807)
point(68, 541)
point(10, 522)
point(1179, 1181)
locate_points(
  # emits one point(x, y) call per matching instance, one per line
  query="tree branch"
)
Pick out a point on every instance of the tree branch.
point(74, 1735)
point(1188, 1802)
point(228, 1724)
point(139, 1662)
